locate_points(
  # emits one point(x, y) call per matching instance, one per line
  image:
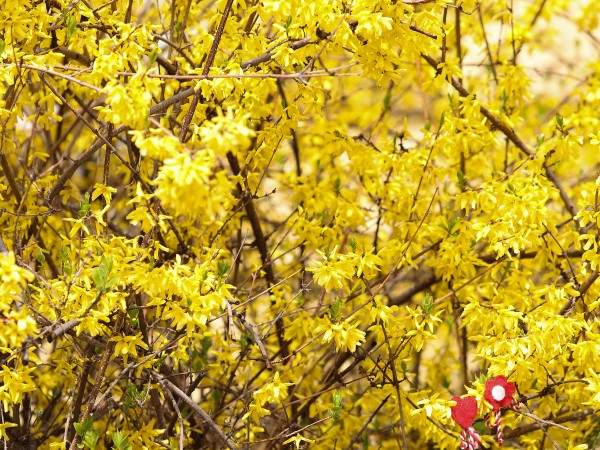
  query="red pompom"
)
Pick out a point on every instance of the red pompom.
point(499, 392)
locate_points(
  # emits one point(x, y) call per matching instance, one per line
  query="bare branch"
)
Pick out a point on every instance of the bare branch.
point(199, 411)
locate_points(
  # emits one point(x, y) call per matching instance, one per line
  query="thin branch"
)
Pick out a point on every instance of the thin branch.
point(487, 45)
point(267, 56)
point(544, 421)
point(100, 376)
point(261, 243)
point(392, 362)
point(282, 76)
point(570, 304)
point(61, 75)
point(194, 407)
point(468, 282)
point(177, 412)
point(256, 338)
point(497, 123)
point(187, 120)
point(369, 420)
point(580, 415)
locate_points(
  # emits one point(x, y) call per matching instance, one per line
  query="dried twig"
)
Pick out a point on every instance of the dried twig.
point(580, 415)
point(187, 120)
point(497, 123)
point(194, 407)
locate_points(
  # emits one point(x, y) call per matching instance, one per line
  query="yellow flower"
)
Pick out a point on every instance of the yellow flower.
point(3, 428)
point(298, 439)
point(333, 270)
point(105, 191)
point(128, 345)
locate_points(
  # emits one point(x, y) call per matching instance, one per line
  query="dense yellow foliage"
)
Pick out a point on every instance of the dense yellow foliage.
point(284, 223)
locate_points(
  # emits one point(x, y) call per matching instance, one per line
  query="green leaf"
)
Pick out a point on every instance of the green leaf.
point(403, 366)
point(451, 101)
point(132, 393)
point(121, 441)
point(216, 396)
point(178, 29)
point(64, 259)
point(68, 268)
point(153, 56)
point(503, 100)
point(480, 427)
point(91, 439)
point(222, 268)
point(445, 382)
point(79, 429)
point(593, 436)
point(336, 409)
point(98, 281)
point(427, 303)
point(244, 340)
point(110, 283)
point(83, 427)
point(462, 180)
point(2, 46)
point(337, 184)
point(100, 274)
point(540, 140)
point(64, 254)
point(84, 205)
point(132, 317)
point(353, 244)
point(449, 226)
point(288, 22)
point(161, 359)
point(335, 309)
point(387, 101)
point(71, 27)
point(200, 355)
point(40, 257)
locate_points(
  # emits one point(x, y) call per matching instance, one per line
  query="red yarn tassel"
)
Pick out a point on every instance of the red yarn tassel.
point(469, 439)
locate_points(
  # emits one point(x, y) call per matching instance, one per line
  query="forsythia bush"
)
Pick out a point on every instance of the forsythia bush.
point(283, 223)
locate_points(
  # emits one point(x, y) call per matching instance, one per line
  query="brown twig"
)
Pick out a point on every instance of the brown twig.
point(369, 420)
point(194, 407)
point(267, 56)
point(570, 304)
point(82, 383)
point(261, 244)
point(256, 338)
point(497, 123)
point(100, 376)
point(396, 382)
point(187, 120)
point(468, 282)
point(3, 248)
point(487, 45)
point(580, 415)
